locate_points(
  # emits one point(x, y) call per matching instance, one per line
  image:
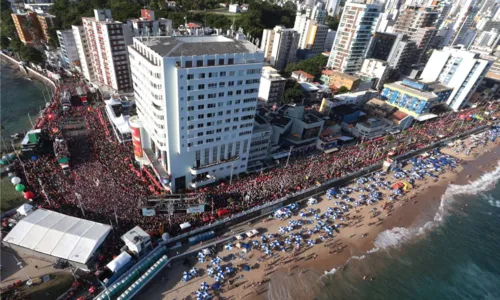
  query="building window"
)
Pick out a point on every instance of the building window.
point(221, 62)
point(201, 97)
point(201, 116)
point(190, 76)
point(188, 64)
point(201, 106)
point(230, 61)
point(201, 86)
point(211, 62)
point(199, 63)
point(201, 75)
point(221, 94)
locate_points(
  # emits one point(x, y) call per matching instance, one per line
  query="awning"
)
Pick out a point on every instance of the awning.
point(426, 117)
point(331, 150)
point(120, 261)
point(345, 138)
point(280, 155)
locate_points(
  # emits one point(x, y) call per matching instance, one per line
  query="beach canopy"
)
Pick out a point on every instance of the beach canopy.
point(185, 225)
point(398, 185)
point(246, 267)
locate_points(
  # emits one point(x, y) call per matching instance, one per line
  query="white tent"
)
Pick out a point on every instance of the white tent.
point(58, 235)
point(120, 261)
point(25, 209)
point(185, 225)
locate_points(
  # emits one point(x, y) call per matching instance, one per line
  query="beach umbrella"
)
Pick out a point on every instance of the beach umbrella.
point(228, 247)
point(204, 286)
point(29, 195)
point(20, 187)
point(2, 162)
point(210, 272)
point(15, 180)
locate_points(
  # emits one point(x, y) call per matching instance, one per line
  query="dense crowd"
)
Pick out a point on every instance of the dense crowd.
point(105, 185)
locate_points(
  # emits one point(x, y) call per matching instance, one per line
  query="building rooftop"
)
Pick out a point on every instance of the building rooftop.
point(302, 73)
point(310, 118)
point(406, 89)
point(344, 75)
point(196, 45)
point(280, 120)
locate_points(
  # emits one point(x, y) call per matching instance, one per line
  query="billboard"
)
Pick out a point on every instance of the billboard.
point(148, 212)
point(135, 128)
point(196, 209)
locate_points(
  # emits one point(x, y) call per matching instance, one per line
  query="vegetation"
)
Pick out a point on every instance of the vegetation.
point(10, 197)
point(333, 22)
point(313, 66)
point(342, 90)
point(292, 93)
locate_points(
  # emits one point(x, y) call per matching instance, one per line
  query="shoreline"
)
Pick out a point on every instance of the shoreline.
point(410, 216)
point(30, 73)
point(301, 278)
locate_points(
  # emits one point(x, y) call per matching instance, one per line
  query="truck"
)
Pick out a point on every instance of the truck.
point(66, 100)
point(81, 92)
point(62, 154)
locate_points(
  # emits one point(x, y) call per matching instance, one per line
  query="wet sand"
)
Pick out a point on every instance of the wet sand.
point(299, 277)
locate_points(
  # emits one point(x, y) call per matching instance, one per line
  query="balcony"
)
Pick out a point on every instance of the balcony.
point(196, 183)
point(220, 163)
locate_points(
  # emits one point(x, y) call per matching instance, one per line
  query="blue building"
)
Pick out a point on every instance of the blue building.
point(414, 97)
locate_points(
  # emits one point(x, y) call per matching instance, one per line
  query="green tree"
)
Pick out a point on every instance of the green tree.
point(342, 90)
point(31, 54)
point(292, 93)
point(313, 66)
point(4, 42)
point(332, 22)
point(16, 44)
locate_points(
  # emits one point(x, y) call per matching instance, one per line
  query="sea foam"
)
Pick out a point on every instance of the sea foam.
point(395, 237)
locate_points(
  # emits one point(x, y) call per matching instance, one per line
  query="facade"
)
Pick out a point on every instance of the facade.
point(260, 144)
point(371, 128)
point(457, 68)
point(353, 36)
point(401, 56)
point(46, 22)
point(69, 51)
point(463, 22)
point(106, 41)
point(28, 28)
point(314, 42)
point(338, 80)
point(279, 46)
point(330, 38)
point(196, 98)
point(332, 7)
point(305, 19)
point(415, 98)
point(377, 69)
point(381, 45)
point(272, 86)
point(148, 25)
point(82, 48)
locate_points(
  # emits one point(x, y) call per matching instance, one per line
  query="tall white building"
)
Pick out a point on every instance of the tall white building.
point(69, 52)
point(305, 19)
point(353, 36)
point(279, 46)
point(106, 40)
point(196, 98)
point(460, 69)
point(332, 7)
point(82, 48)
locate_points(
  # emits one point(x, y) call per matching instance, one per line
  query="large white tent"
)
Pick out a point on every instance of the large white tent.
point(58, 235)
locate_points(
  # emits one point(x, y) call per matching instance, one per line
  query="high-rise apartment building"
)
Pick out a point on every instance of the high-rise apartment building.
point(314, 42)
point(46, 22)
point(82, 48)
point(353, 36)
point(417, 23)
point(306, 19)
point(106, 44)
point(69, 51)
point(196, 97)
point(148, 25)
point(401, 56)
point(28, 28)
point(463, 22)
point(381, 45)
point(279, 46)
point(457, 68)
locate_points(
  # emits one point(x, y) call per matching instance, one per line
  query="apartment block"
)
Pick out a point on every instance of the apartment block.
point(28, 28)
point(279, 46)
point(69, 51)
point(148, 25)
point(272, 86)
point(457, 68)
point(353, 36)
point(106, 46)
point(196, 97)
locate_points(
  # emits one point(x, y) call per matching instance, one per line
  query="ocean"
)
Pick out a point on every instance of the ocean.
point(19, 97)
point(453, 255)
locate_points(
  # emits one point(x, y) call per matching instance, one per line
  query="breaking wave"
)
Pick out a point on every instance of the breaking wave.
point(397, 236)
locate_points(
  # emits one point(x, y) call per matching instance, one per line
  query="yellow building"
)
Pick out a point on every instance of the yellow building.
point(338, 80)
point(31, 28)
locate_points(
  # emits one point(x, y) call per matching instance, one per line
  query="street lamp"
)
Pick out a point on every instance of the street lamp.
point(289, 153)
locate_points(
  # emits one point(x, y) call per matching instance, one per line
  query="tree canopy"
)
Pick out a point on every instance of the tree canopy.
point(292, 93)
point(313, 66)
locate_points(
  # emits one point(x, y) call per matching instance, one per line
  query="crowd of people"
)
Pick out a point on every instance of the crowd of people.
point(105, 185)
